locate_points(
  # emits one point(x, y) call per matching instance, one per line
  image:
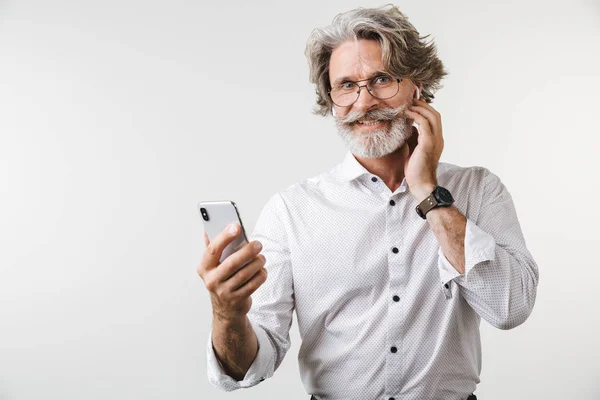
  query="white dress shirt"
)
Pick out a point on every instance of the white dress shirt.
point(381, 312)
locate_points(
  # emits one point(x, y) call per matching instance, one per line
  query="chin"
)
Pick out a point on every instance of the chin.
point(373, 151)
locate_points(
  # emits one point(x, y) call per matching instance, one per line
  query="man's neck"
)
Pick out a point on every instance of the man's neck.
point(389, 168)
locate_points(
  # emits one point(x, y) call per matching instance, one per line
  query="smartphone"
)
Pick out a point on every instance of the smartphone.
point(216, 215)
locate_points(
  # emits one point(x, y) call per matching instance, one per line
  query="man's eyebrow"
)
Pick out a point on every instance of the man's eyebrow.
point(348, 78)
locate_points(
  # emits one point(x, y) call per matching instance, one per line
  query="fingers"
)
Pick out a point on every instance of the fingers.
point(213, 252)
point(424, 126)
point(231, 282)
point(421, 112)
point(252, 284)
point(423, 104)
point(243, 275)
point(239, 286)
point(236, 261)
point(428, 114)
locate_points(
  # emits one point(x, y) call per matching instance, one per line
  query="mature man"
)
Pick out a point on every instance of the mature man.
point(391, 258)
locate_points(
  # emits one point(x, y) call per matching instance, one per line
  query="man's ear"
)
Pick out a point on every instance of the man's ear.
point(418, 91)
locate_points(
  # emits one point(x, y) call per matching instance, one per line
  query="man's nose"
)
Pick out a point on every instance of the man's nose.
point(365, 100)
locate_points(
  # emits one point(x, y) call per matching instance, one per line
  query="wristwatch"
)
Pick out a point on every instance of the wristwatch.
point(440, 197)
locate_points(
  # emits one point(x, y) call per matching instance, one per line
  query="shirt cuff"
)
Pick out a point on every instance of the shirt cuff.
point(480, 246)
point(262, 367)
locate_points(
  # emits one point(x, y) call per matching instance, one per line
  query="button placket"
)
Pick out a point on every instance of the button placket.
point(397, 271)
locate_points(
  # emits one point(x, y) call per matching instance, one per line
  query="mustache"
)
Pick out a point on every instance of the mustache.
point(382, 114)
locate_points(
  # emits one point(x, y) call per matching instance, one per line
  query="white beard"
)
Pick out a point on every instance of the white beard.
point(377, 143)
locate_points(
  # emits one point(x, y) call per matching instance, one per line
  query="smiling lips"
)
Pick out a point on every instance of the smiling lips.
point(369, 122)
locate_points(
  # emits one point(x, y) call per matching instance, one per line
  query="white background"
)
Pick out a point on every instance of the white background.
point(117, 117)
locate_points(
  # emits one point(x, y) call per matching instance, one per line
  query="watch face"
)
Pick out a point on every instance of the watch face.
point(444, 195)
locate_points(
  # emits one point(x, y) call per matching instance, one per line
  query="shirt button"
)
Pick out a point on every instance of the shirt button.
point(395, 250)
point(394, 349)
point(374, 179)
point(446, 286)
point(391, 398)
point(396, 298)
point(392, 203)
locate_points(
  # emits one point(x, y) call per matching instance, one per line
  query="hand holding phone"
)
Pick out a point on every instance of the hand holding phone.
point(231, 268)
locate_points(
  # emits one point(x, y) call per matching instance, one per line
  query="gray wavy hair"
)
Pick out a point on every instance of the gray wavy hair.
point(404, 52)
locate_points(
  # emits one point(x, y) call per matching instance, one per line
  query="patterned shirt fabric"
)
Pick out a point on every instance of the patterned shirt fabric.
point(381, 312)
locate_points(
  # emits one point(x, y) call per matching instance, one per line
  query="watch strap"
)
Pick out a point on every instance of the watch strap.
point(427, 205)
point(440, 197)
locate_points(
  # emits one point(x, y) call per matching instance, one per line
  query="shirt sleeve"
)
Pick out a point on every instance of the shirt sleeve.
point(272, 303)
point(501, 277)
point(260, 367)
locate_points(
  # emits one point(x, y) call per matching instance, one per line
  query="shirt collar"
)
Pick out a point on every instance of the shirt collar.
point(351, 168)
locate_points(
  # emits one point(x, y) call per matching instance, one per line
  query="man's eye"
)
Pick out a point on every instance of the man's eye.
point(382, 80)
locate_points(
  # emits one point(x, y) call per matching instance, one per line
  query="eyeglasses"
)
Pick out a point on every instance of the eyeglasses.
point(381, 87)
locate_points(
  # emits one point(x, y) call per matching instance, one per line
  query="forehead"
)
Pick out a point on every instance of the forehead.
point(355, 60)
